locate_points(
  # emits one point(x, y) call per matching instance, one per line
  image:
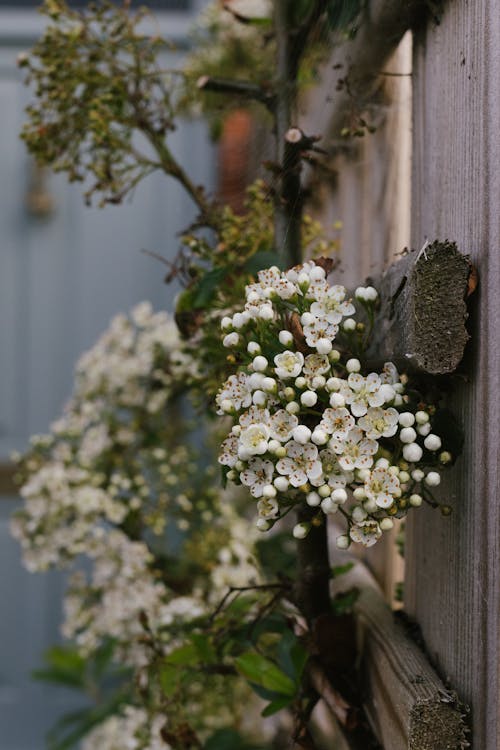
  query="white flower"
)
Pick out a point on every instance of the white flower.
point(236, 389)
point(229, 454)
point(389, 374)
point(288, 364)
point(337, 422)
point(316, 364)
point(365, 532)
point(254, 415)
point(331, 305)
point(379, 422)
point(254, 439)
point(300, 464)
point(382, 486)
point(268, 507)
point(319, 329)
point(258, 474)
point(332, 471)
point(355, 452)
point(281, 425)
point(360, 392)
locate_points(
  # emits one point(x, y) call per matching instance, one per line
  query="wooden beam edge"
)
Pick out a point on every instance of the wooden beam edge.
point(406, 702)
point(421, 321)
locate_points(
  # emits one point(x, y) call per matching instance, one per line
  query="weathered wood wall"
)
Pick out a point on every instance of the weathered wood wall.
point(452, 581)
point(453, 573)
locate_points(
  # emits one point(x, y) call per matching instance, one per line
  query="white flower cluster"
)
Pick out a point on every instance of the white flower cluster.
point(111, 473)
point(133, 728)
point(309, 426)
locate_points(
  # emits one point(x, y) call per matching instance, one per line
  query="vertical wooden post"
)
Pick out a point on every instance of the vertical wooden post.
point(453, 574)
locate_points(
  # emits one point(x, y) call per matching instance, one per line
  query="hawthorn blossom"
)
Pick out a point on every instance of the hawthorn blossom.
point(229, 454)
point(258, 474)
point(360, 392)
point(236, 389)
point(382, 486)
point(319, 329)
point(288, 364)
point(254, 439)
point(331, 305)
point(379, 422)
point(355, 451)
point(337, 422)
point(300, 464)
point(366, 533)
point(282, 425)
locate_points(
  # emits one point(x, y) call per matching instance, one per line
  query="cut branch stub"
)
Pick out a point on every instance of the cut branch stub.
point(421, 321)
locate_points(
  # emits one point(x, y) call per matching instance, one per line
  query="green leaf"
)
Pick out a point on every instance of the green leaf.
point(204, 647)
point(340, 570)
point(207, 286)
point(277, 705)
point(292, 656)
point(65, 666)
point(344, 602)
point(263, 672)
point(263, 259)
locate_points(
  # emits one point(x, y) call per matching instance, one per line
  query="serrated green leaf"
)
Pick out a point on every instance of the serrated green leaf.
point(263, 672)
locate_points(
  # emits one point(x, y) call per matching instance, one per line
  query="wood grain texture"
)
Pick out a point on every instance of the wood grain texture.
point(453, 573)
point(406, 702)
point(421, 321)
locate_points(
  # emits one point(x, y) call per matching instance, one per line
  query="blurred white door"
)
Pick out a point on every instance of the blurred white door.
point(62, 277)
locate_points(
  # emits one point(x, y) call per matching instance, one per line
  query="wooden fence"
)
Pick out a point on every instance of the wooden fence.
point(452, 576)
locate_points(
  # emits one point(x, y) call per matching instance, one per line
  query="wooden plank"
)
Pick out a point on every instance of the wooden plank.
point(421, 320)
point(407, 703)
point(453, 577)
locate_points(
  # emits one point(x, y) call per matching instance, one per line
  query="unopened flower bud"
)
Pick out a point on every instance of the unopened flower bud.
point(313, 499)
point(432, 479)
point(308, 398)
point(386, 524)
point(285, 338)
point(253, 348)
point(301, 530)
point(406, 419)
point(432, 442)
point(301, 434)
point(260, 364)
point(412, 452)
point(342, 542)
point(323, 346)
